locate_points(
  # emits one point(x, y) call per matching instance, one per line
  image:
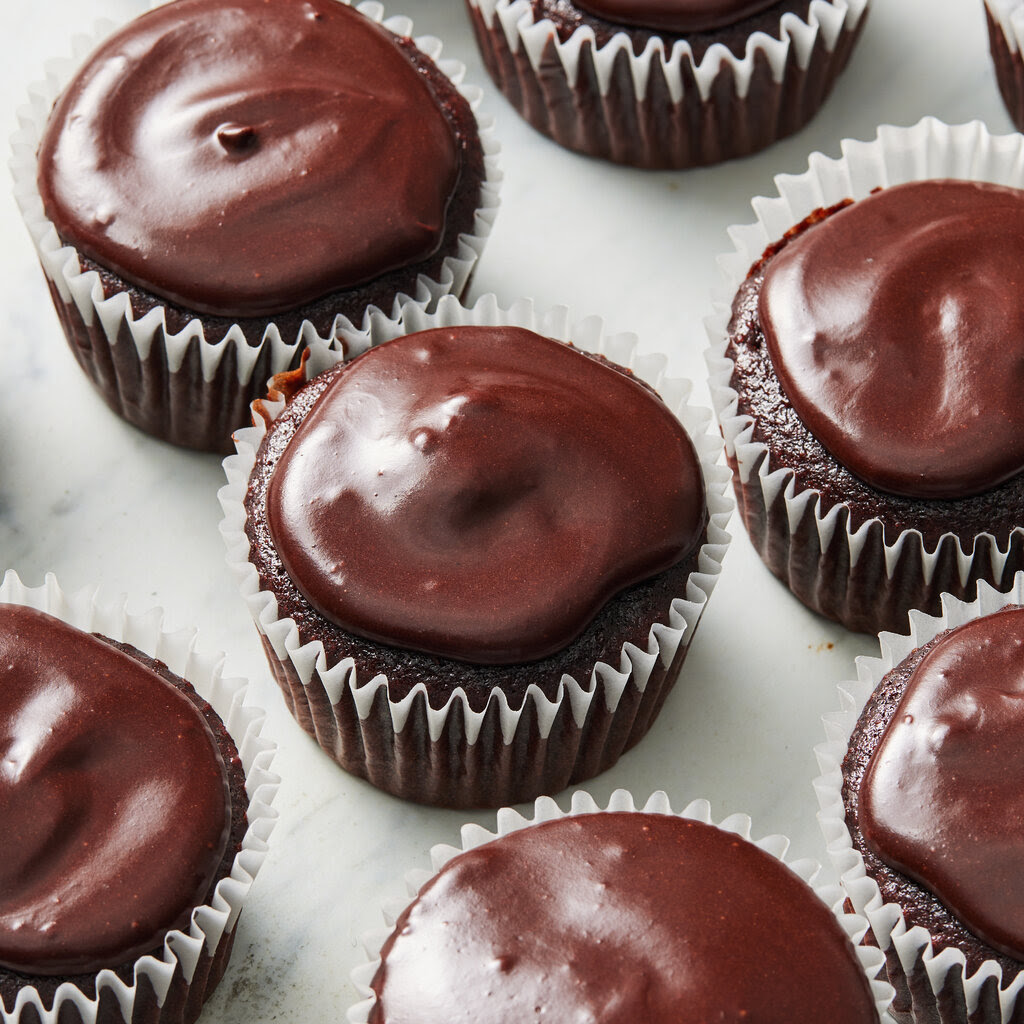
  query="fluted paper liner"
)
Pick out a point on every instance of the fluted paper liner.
point(169, 988)
point(504, 754)
point(852, 575)
point(942, 990)
point(545, 809)
point(180, 386)
point(661, 108)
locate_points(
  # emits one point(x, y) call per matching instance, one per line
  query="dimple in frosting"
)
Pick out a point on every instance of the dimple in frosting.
point(479, 493)
point(676, 15)
point(618, 918)
point(896, 328)
point(941, 800)
point(240, 157)
point(114, 800)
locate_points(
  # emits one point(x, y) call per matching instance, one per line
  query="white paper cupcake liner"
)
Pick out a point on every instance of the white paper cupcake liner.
point(545, 809)
point(942, 991)
point(405, 745)
point(853, 575)
point(179, 386)
point(170, 988)
point(644, 110)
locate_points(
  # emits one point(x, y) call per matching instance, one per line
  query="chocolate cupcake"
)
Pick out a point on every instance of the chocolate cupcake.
point(918, 806)
point(619, 915)
point(133, 822)
point(871, 420)
point(196, 188)
point(477, 555)
point(655, 84)
point(1005, 19)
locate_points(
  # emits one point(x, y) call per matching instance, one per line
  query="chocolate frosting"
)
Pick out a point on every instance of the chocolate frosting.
point(676, 15)
point(941, 799)
point(895, 329)
point(619, 918)
point(243, 158)
point(478, 493)
point(114, 800)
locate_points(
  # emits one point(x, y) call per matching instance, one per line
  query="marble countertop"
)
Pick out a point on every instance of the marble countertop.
point(89, 498)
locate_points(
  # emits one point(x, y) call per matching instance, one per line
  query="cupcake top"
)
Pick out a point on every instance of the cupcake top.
point(618, 918)
point(894, 327)
point(115, 797)
point(479, 493)
point(676, 15)
point(243, 158)
point(940, 798)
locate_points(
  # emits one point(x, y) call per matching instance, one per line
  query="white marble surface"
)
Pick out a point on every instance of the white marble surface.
point(89, 498)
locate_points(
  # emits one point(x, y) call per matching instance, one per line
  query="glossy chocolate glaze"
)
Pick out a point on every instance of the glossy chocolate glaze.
point(116, 800)
point(676, 15)
point(618, 918)
point(940, 800)
point(894, 327)
point(480, 493)
point(626, 618)
point(249, 177)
